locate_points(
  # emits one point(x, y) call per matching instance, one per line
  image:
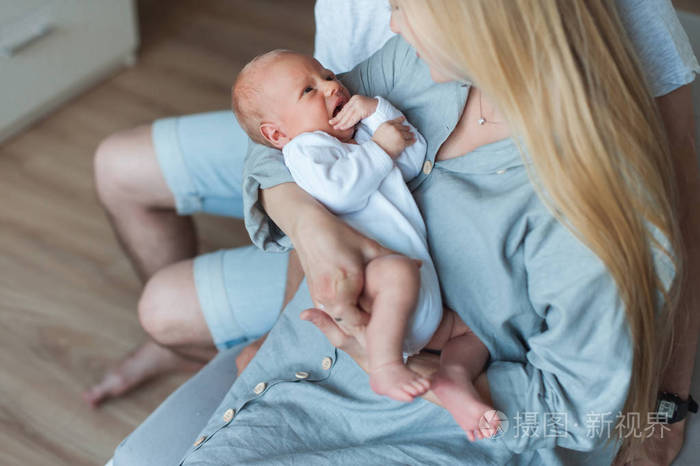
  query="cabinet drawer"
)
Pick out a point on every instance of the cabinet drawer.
point(79, 42)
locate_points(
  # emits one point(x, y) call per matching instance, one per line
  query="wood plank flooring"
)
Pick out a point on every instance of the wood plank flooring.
point(67, 293)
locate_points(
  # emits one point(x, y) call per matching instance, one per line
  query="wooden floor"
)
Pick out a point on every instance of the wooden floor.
point(67, 293)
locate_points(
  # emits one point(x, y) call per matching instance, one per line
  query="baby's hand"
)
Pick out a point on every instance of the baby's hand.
point(393, 136)
point(357, 108)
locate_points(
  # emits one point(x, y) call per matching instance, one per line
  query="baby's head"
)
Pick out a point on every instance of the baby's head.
point(281, 94)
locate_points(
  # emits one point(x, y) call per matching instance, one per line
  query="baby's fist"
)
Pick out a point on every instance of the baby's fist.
point(358, 108)
point(393, 136)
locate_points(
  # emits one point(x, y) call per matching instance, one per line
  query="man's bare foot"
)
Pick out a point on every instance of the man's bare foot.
point(458, 395)
point(397, 381)
point(146, 362)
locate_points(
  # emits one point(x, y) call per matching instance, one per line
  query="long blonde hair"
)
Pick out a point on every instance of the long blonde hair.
point(567, 81)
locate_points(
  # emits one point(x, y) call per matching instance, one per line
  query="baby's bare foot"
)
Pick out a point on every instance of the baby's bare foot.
point(459, 396)
point(398, 382)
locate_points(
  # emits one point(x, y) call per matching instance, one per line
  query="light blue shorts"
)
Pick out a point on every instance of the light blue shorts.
point(240, 290)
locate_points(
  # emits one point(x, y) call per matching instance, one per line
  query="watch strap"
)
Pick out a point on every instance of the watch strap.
point(682, 407)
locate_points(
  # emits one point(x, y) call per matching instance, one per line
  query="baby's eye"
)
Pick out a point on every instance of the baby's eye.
point(330, 77)
point(308, 89)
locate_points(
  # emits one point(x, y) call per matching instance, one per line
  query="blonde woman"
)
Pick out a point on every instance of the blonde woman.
point(549, 207)
point(590, 240)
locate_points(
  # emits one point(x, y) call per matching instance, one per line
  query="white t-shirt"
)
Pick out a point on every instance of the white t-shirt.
point(367, 189)
point(349, 31)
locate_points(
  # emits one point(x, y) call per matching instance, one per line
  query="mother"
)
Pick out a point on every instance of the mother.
point(560, 333)
point(563, 287)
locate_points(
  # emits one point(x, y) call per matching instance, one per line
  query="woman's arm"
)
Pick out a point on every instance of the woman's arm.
point(677, 113)
point(332, 254)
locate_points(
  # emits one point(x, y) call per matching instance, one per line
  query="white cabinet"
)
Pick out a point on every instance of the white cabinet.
point(51, 49)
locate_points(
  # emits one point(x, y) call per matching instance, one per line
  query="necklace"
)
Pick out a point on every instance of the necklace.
point(482, 121)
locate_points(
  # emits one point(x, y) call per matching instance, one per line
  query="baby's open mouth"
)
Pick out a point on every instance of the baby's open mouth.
point(338, 108)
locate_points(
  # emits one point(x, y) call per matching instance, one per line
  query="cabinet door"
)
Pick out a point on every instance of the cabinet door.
point(49, 49)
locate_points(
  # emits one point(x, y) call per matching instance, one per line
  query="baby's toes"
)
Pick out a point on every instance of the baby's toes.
point(422, 385)
point(411, 388)
point(403, 395)
point(419, 386)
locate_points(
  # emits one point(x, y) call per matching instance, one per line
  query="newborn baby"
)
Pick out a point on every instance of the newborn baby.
point(289, 101)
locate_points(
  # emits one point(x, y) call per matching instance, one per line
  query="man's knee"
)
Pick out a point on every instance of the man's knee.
point(158, 313)
point(152, 309)
point(169, 310)
point(110, 168)
point(126, 171)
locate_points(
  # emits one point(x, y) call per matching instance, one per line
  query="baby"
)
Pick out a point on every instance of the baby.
point(291, 102)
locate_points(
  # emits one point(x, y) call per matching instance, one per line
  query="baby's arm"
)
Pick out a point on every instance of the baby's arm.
point(341, 176)
point(389, 129)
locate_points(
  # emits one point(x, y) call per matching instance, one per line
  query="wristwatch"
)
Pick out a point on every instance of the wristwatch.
point(671, 408)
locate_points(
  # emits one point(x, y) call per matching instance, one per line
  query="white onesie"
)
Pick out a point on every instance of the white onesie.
point(362, 185)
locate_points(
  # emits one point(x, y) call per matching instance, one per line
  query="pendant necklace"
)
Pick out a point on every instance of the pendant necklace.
point(482, 121)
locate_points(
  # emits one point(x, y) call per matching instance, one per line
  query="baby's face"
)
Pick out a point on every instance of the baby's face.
point(302, 96)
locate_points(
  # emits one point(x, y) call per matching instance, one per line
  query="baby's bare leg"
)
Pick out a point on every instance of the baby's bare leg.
point(463, 359)
point(392, 284)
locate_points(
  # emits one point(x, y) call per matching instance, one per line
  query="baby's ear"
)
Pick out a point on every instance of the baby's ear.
point(273, 134)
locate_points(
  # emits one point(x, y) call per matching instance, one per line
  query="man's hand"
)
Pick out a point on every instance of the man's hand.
point(394, 137)
point(358, 108)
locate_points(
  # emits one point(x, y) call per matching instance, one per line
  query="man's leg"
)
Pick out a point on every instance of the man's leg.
point(149, 179)
point(167, 433)
point(141, 208)
point(131, 186)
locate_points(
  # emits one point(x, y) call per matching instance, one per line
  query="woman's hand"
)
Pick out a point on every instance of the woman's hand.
point(354, 344)
point(332, 254)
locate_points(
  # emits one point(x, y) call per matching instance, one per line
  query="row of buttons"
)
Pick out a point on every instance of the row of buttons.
point(326, 364)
